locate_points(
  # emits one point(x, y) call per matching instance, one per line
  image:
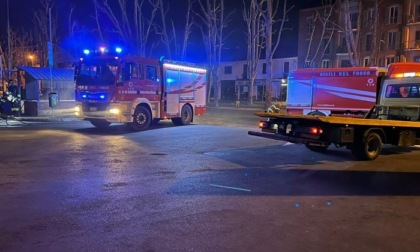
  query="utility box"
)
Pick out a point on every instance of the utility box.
point(52, 99)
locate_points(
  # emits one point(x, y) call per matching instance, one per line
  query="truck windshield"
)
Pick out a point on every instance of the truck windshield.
point(97, 72)
point(403, 91)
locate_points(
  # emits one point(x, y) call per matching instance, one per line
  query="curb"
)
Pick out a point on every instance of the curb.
point(45, 119)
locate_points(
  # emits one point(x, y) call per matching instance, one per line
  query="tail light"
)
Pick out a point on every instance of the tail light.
point(316, 131)
point(262, 125)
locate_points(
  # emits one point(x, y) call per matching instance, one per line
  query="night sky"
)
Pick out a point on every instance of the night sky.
point(21, 12)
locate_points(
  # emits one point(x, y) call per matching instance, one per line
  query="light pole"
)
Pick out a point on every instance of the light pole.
point(8, 44)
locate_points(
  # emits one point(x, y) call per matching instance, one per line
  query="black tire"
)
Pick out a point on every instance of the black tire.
point(141, 119)
point(99, 123)
point(186, 116)
point(317, 148)
point(316, 113)
point(370, 149)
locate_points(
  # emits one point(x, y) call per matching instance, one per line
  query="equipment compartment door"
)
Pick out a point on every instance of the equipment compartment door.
point(172, 91)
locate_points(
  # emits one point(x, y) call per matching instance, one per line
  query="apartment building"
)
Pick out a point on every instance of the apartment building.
point(235, 82)
point(383, 32)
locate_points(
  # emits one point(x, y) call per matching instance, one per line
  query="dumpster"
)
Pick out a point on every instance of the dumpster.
point(52, 99)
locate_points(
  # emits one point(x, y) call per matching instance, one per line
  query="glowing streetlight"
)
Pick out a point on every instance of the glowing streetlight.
point(31, 57)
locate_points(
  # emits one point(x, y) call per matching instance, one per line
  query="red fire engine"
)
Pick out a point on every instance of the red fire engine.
point(137, 91)
point(333, 91)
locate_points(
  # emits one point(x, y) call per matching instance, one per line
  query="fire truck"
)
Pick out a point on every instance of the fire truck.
point(333, 91)
point(112, 88)
point(394, 119)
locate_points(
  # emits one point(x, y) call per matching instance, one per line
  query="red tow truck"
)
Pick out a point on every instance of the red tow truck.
point(111, 88)
point(394, 119)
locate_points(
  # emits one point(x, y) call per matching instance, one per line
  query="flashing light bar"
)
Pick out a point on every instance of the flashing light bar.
point(102, 50)
point(404, 75)
point(93, 96)
point(185, 68)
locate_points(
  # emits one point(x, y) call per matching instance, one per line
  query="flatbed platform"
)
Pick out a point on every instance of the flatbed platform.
point(392, 112)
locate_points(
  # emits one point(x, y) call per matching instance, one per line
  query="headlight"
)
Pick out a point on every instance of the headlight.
point(77, 110)
point(114, 111)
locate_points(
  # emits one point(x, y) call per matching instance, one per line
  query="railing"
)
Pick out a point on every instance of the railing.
point(413, 19)
point(342, 49)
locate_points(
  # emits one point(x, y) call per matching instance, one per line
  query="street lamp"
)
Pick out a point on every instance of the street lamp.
point(31, 57)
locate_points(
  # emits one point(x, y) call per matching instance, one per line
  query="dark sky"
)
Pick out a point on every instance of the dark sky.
point(21, 12)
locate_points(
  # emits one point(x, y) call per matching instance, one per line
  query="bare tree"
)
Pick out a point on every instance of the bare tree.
point(173, 45)
point(134, 30)
point(163, 31)
point(181, 50)
point(350, 37)
point(254, 35)
point(98, 23)
point(22, 44)
point(42, 29)
point(268, 9)
point(375, 34)
point(212, 14)
point(325, 30)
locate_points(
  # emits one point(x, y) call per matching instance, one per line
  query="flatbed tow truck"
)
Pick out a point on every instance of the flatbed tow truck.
point(395, 120)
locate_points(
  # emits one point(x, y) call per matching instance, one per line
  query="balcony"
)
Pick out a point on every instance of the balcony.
point(412, 19)
point(412, 45)
point(342, 49)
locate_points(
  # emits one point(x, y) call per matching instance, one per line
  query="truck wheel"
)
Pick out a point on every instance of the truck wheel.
point(370, 149)
point(316, 113)
point(99, 123)
point(317, 148)
point(141, 119)
point(186, 116)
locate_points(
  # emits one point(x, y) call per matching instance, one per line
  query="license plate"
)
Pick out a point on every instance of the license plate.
point(93, 109)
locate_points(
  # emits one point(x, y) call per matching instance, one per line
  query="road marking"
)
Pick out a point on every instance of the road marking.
point(233, 188)
point(288, 143)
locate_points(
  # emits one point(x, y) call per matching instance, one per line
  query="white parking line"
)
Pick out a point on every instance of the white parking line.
point(233, 188)
point(288, 143)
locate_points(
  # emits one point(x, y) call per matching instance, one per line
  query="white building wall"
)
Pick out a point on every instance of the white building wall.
point(242, 83)
point(237, 69)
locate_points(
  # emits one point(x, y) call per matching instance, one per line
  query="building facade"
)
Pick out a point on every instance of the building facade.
point(347, 33)
point(235, 79)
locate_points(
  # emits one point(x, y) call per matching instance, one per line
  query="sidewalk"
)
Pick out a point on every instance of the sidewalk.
point(242, 105)
point(58, 116)
point(68, 116)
